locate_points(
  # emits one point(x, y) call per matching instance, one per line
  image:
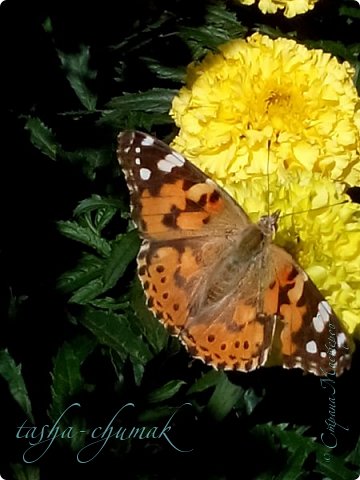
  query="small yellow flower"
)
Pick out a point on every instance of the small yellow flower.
point(290, 7)
point(259, 89)
point(270, 117)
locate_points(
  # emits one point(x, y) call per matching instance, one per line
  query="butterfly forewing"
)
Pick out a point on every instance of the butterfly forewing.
point(214, 278)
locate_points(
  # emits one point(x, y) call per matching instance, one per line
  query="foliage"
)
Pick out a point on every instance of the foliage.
point(77, 330)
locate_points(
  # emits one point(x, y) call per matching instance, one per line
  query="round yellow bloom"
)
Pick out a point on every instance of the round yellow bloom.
point(259, 89)
point(278, 126)
point(290, 7)
point(321, 234)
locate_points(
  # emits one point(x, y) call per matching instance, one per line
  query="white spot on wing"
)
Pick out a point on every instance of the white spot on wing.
point(322, 354)
point(324, 310)
point(127, 149)
point(165, 166)
point(145, 173)
point(311, 347)
point(147, 141)
point(341, 339)
point(175, 159)
point(137, 150)
point(322, 317)
point(179, 157)
point(318, 323)
point(137, 161)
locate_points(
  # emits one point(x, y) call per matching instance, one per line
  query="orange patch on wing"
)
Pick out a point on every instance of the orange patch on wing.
point(234, 343)
point(292, 314)
point(271, 299)
point(168, 301)
point(191, 220)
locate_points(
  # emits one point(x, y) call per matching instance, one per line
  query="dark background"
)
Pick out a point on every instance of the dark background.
point(37, 191)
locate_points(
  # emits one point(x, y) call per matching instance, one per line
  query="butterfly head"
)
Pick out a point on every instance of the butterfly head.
point(268, 223)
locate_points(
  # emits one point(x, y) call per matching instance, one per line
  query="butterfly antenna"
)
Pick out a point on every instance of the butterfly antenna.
point(268, 177)
point(314, 209)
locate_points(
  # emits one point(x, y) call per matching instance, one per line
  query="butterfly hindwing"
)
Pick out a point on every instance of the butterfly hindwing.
point(214, 278)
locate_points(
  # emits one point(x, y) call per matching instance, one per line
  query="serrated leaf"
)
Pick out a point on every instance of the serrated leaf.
point(120, 120)
point(176, 74)
point(334, 469)
point(352, 12)
point(89, 268)
point(123, 251)
point(78, 73)
point(150, 327)
point(156, 100)
point(225, 396)
point(90, 159)
point(96, 202)
point(12, 375)
point(208, 380)
point(103, 217)
point(354, 456)
point(115, 331)
point(67, 380)
point(25, 472)
point(165, 391)
point(251, 400)
point(109, 303)
point(85, 235)
point(138, 369)
point(220, 25)
point(42, 137)
point(88, 292)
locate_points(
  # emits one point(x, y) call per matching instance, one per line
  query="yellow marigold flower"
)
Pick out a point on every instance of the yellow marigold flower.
point(258, 89)
point(272, 111)
point(323, 235)
point(290, 7)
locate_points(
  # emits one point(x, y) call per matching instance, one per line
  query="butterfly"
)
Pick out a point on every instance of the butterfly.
point(214, 278)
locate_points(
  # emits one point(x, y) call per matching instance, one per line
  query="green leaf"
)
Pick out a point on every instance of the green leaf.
point(354, 456)
point(219, 26)
point(176, 74)
point(123, 252)
point(224, 398)
point(12, 374)
point(85, 235)
point(25, 472)
point(208, 380)
point(138, 369)
point(352, 12)
point(67, 380)
point(115, 331)
point(119, 119)
point(89, 268)
point(300, 446)
point(78, 73)
point(103, 217)
point(96, 202)
point(140, 110)
point(165, 391)
point(109, 303)
point(157, 100)
point(88, 292)
point(90, 159)
point(154, 332)
point(251, 400)
point(42, 137)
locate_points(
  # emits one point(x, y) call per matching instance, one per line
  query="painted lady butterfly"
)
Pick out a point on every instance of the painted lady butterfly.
point(214, 278)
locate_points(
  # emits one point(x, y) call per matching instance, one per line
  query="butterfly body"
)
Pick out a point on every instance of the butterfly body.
point(215, 278)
